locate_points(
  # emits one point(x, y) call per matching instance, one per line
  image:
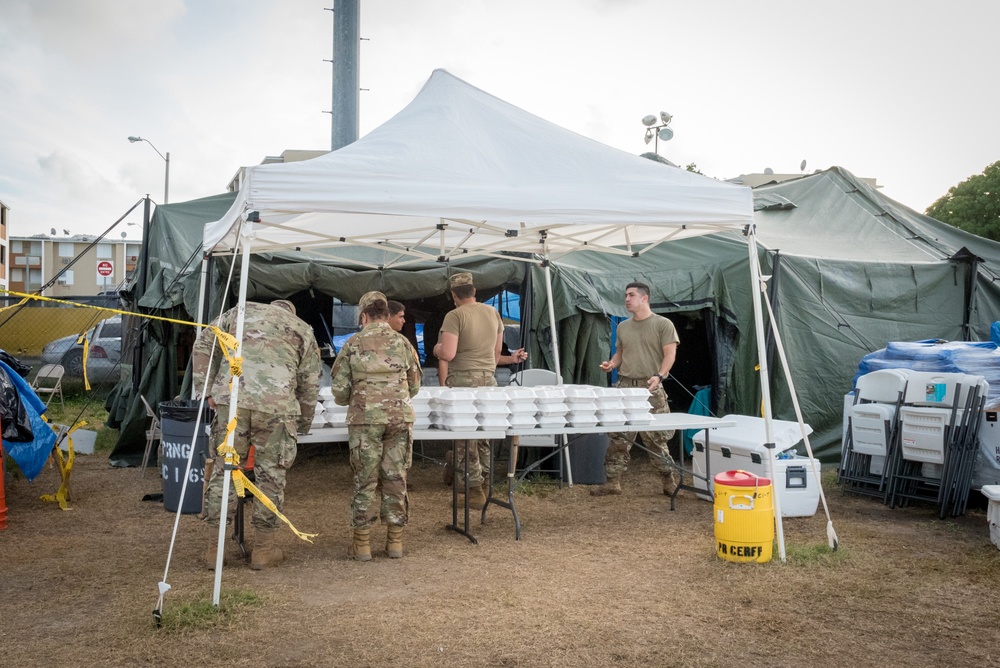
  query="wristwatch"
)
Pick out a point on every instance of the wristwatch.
point(660, 376)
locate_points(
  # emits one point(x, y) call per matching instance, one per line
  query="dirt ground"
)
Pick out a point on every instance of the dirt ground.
point(614, 581)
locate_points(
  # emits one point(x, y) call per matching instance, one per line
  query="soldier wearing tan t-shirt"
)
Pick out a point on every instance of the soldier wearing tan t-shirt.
point(645, 352)
point(470, 342)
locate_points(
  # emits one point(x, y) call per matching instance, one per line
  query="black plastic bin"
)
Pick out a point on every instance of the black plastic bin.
point(586, 457)
point(177, 423)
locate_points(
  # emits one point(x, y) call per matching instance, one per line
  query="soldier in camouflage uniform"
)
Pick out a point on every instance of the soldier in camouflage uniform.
point(375, 375)
point(277, 399)
point(470, 343)
point(645, 351)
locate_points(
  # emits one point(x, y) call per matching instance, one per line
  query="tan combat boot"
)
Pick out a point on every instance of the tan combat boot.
point(265, 553)
point(394, 541)
point(449, 469)
point(477, 500)
point(670, 483)
point(612, 486)
point(360, 549)
point(209, 555)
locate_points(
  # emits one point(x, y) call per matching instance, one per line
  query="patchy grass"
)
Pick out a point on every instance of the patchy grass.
point(201, 614)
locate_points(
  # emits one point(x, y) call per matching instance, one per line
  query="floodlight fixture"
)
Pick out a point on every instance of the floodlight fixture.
point(665, 117)
point(666, 134)
point(649, 121)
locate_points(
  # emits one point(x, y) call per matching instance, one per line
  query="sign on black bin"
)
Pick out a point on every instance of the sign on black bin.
point(178, 419)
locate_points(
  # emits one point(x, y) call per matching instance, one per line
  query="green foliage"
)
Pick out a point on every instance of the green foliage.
point(693, 168)
point(973, 205)
point(201, 614)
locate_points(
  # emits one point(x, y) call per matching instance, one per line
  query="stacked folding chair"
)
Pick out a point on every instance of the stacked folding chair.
point(938, 426)
point(872, 433)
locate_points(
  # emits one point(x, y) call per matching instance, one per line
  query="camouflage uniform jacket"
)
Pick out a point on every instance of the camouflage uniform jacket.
point(281, 362)
point(375, 375)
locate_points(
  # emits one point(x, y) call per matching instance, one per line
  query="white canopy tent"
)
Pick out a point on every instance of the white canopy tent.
point(459, 173)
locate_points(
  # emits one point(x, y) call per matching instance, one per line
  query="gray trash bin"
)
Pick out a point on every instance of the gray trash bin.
point(586, 457)
point(177, 423)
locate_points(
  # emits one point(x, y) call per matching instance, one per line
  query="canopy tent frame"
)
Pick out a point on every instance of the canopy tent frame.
point(543, 194)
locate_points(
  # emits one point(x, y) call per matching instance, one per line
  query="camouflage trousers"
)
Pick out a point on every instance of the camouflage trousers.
point(379, 454)
point(275, 446)
point(478, 449)
point(620, 443)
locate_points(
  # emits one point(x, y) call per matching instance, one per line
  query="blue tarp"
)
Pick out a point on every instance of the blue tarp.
point(339, 341)
point(30, 456)
point(980, 358)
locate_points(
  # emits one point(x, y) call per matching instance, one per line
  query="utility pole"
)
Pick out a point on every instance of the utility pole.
point(346, 82)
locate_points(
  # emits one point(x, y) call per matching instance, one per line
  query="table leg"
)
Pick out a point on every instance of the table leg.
point(509, 503)
point(454, 496)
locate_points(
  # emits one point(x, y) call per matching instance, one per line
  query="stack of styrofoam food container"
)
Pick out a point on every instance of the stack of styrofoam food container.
point(492, 405)
point(456, 410)
point(582, 403)
point(637, 406)
point(336, 416)
point(319, 417)
point(421, 409)
point(552, 408)
point(523, 410)
point(610, 406)
point(432, 393)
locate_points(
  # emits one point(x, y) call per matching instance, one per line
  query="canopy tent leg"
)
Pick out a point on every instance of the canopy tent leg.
point(247, 236)
point(759, 286)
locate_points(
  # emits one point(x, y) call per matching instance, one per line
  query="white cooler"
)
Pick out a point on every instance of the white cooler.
point(742, 447)
point(992, 492)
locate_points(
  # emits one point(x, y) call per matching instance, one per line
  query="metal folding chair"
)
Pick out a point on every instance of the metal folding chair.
point(49, 381)
point(153, 434)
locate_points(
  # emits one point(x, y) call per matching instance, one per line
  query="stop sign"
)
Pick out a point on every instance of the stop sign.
point(105, 268)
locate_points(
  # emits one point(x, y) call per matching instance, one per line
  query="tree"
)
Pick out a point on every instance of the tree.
point(693, 168)
point(973, 205)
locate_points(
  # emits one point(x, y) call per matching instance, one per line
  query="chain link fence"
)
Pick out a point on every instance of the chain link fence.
point(25, 329)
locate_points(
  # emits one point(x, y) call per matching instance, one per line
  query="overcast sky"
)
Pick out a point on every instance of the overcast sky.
point(903, 91)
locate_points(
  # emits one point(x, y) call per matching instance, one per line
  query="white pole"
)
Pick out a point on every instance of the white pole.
point(247, 236)
point(759, 285)
point(555, 349)
point(552, 321)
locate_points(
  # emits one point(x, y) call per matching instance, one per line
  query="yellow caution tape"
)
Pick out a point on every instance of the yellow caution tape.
point(227, 342)
point(62, 497)
point(243, 484)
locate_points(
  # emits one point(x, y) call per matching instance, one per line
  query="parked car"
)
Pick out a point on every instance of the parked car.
point(105, 350)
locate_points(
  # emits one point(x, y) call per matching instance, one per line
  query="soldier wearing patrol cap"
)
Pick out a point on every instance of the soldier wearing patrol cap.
point(470, 343)
point(375, 375)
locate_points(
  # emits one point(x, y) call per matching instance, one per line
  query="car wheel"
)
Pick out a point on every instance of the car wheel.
point(73, 362)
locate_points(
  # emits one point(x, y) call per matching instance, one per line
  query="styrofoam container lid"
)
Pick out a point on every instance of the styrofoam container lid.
point(523, 408)
point(991, 492)
point(581, 422)
point(551, 420)
point(454, 423)
point(453, 396)
point(491, 395)
point(518, 420)
point(548, 396)
point(493, 422)
point(325, 393)
point(552, 409)
point(580, 392)
point(457, 409)
point(634, 392)
point(520, 394)
point(494, 409)
point(636, 403)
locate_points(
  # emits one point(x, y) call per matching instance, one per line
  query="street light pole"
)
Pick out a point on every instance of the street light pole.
point(658, 132)
point(166, 159)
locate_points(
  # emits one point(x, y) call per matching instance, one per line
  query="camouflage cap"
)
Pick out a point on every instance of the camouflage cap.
point(369, 298)
point(285, 304)
point(464, 278)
